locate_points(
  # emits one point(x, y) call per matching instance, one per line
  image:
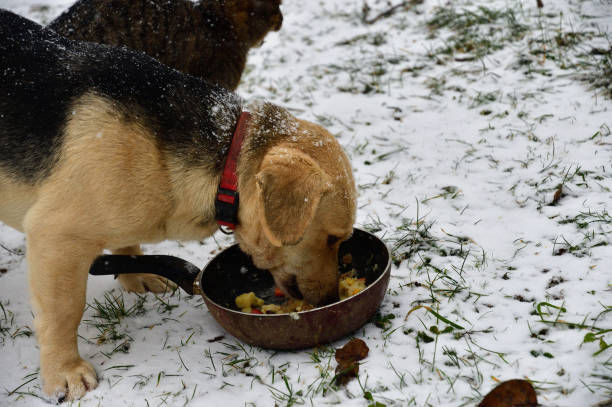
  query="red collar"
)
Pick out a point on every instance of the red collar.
point(226, 203)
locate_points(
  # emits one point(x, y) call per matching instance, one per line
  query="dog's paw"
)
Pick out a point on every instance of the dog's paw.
point(141, 283)
point(69, 382)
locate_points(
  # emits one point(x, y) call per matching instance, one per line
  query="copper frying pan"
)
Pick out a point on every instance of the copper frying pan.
point(232, 273)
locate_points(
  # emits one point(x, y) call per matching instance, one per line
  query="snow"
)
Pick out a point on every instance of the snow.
point(462, 157)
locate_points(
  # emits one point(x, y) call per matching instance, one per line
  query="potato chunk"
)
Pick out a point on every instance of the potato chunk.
point(350, 286)
point(248, 301)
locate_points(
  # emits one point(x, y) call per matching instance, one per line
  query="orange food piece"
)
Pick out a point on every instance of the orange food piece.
point(347, 258)
point(278, 292)
point(256, 311)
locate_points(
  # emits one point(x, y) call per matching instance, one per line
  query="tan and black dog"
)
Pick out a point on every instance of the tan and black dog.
point(104, 147)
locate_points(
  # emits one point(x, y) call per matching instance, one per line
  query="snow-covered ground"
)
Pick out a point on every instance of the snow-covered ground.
point(483, 157)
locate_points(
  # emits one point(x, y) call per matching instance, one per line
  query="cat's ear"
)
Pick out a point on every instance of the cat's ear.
point(269, 10)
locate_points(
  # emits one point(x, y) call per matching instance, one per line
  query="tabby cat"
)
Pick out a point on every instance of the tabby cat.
point(209, 39)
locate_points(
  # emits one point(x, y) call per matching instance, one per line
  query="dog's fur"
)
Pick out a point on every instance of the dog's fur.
point(209, 39)
point(103, 147)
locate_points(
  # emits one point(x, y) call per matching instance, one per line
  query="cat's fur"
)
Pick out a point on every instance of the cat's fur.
point(209, 39)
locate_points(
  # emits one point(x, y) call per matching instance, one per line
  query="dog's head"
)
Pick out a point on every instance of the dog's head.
point(297, 204)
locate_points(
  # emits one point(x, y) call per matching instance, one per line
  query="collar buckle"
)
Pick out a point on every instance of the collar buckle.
point(226, 208)
point(226, 201)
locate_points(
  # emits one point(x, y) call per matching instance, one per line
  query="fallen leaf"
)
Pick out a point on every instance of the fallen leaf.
point(354, 350)
point(558, 195)
point(348, 357)
point(345, 372)
point(512, 393)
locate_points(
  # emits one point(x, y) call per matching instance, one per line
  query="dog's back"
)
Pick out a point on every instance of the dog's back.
point(31, 111)
point(45, 75)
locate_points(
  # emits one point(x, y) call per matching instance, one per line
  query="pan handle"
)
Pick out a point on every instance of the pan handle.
point(175, 269)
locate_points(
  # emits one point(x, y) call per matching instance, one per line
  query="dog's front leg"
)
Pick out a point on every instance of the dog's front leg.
point(58, 264)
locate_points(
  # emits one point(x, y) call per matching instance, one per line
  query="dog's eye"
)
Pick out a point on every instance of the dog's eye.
point(332, 240)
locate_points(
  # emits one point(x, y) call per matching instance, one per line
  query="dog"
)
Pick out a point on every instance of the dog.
point(106, 148)
point(209, 39)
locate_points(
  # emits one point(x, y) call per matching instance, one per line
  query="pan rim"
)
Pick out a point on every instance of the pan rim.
point(297, 314)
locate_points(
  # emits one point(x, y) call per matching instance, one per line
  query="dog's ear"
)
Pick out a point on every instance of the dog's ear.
point(290, 186)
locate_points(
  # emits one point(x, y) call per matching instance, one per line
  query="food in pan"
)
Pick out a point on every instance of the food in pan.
point(248, 301)
point(291, 305)
point(349, 285)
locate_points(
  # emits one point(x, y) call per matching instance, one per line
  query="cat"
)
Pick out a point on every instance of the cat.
point(209, 39)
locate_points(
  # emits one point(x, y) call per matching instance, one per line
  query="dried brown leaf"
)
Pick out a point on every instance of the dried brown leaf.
point(348, 358)
point(345, 372)
point(512, 393)
point(558, 195)
point(353, 351)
